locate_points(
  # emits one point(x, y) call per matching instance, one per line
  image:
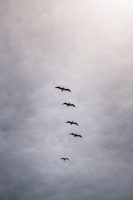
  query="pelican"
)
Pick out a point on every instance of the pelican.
point(64, 159)
point(76, 135)
point(63, 89)
point(69, 104)
point(71, 123)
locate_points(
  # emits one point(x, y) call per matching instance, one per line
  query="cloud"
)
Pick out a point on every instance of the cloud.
point(77, 45)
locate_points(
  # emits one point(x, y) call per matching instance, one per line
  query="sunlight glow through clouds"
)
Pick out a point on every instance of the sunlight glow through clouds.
point(116, 5)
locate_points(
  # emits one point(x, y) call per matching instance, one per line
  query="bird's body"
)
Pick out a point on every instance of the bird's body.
point(64, 159)
point(71, 123)
point(63, 89)
point(69, 104)
point(76, 135)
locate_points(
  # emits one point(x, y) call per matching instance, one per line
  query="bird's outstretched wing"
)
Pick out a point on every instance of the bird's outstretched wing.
point(75, 123)
point(66, 89)
point(68, 122)
point(65, 104)
point(72, 105)
point(72, 134)
point(79, 136)
point(58, 87)
point(64, 159)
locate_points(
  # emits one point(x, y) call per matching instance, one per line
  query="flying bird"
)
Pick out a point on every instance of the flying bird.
point(76, 135)
point(64, 159)
point(69, 104)
point(63, 89)
point(71, 123)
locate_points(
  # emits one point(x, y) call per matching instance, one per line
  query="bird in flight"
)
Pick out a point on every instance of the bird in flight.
point(76, 135)
point(71, 123)
point(63, 89)
point(69, 104)
point(64, 159)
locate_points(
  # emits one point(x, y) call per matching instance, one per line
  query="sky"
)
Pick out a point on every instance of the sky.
point(84, 45)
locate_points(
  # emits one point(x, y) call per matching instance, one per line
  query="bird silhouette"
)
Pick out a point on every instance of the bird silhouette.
point(64, 159)
point(76, 135)
point(71, 123)
point(69, 104)
point(63, 89)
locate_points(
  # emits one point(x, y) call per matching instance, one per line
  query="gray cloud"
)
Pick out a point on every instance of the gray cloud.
point(84, 45)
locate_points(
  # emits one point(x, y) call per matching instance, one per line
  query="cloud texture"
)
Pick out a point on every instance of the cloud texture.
point(86, 46)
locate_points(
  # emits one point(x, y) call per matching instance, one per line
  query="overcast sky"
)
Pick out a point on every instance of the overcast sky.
point(84, 45)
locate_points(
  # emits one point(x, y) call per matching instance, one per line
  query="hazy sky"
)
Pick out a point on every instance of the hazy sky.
point(87, 46)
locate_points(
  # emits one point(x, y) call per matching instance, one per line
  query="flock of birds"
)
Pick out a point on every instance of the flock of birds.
point(69, 122)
